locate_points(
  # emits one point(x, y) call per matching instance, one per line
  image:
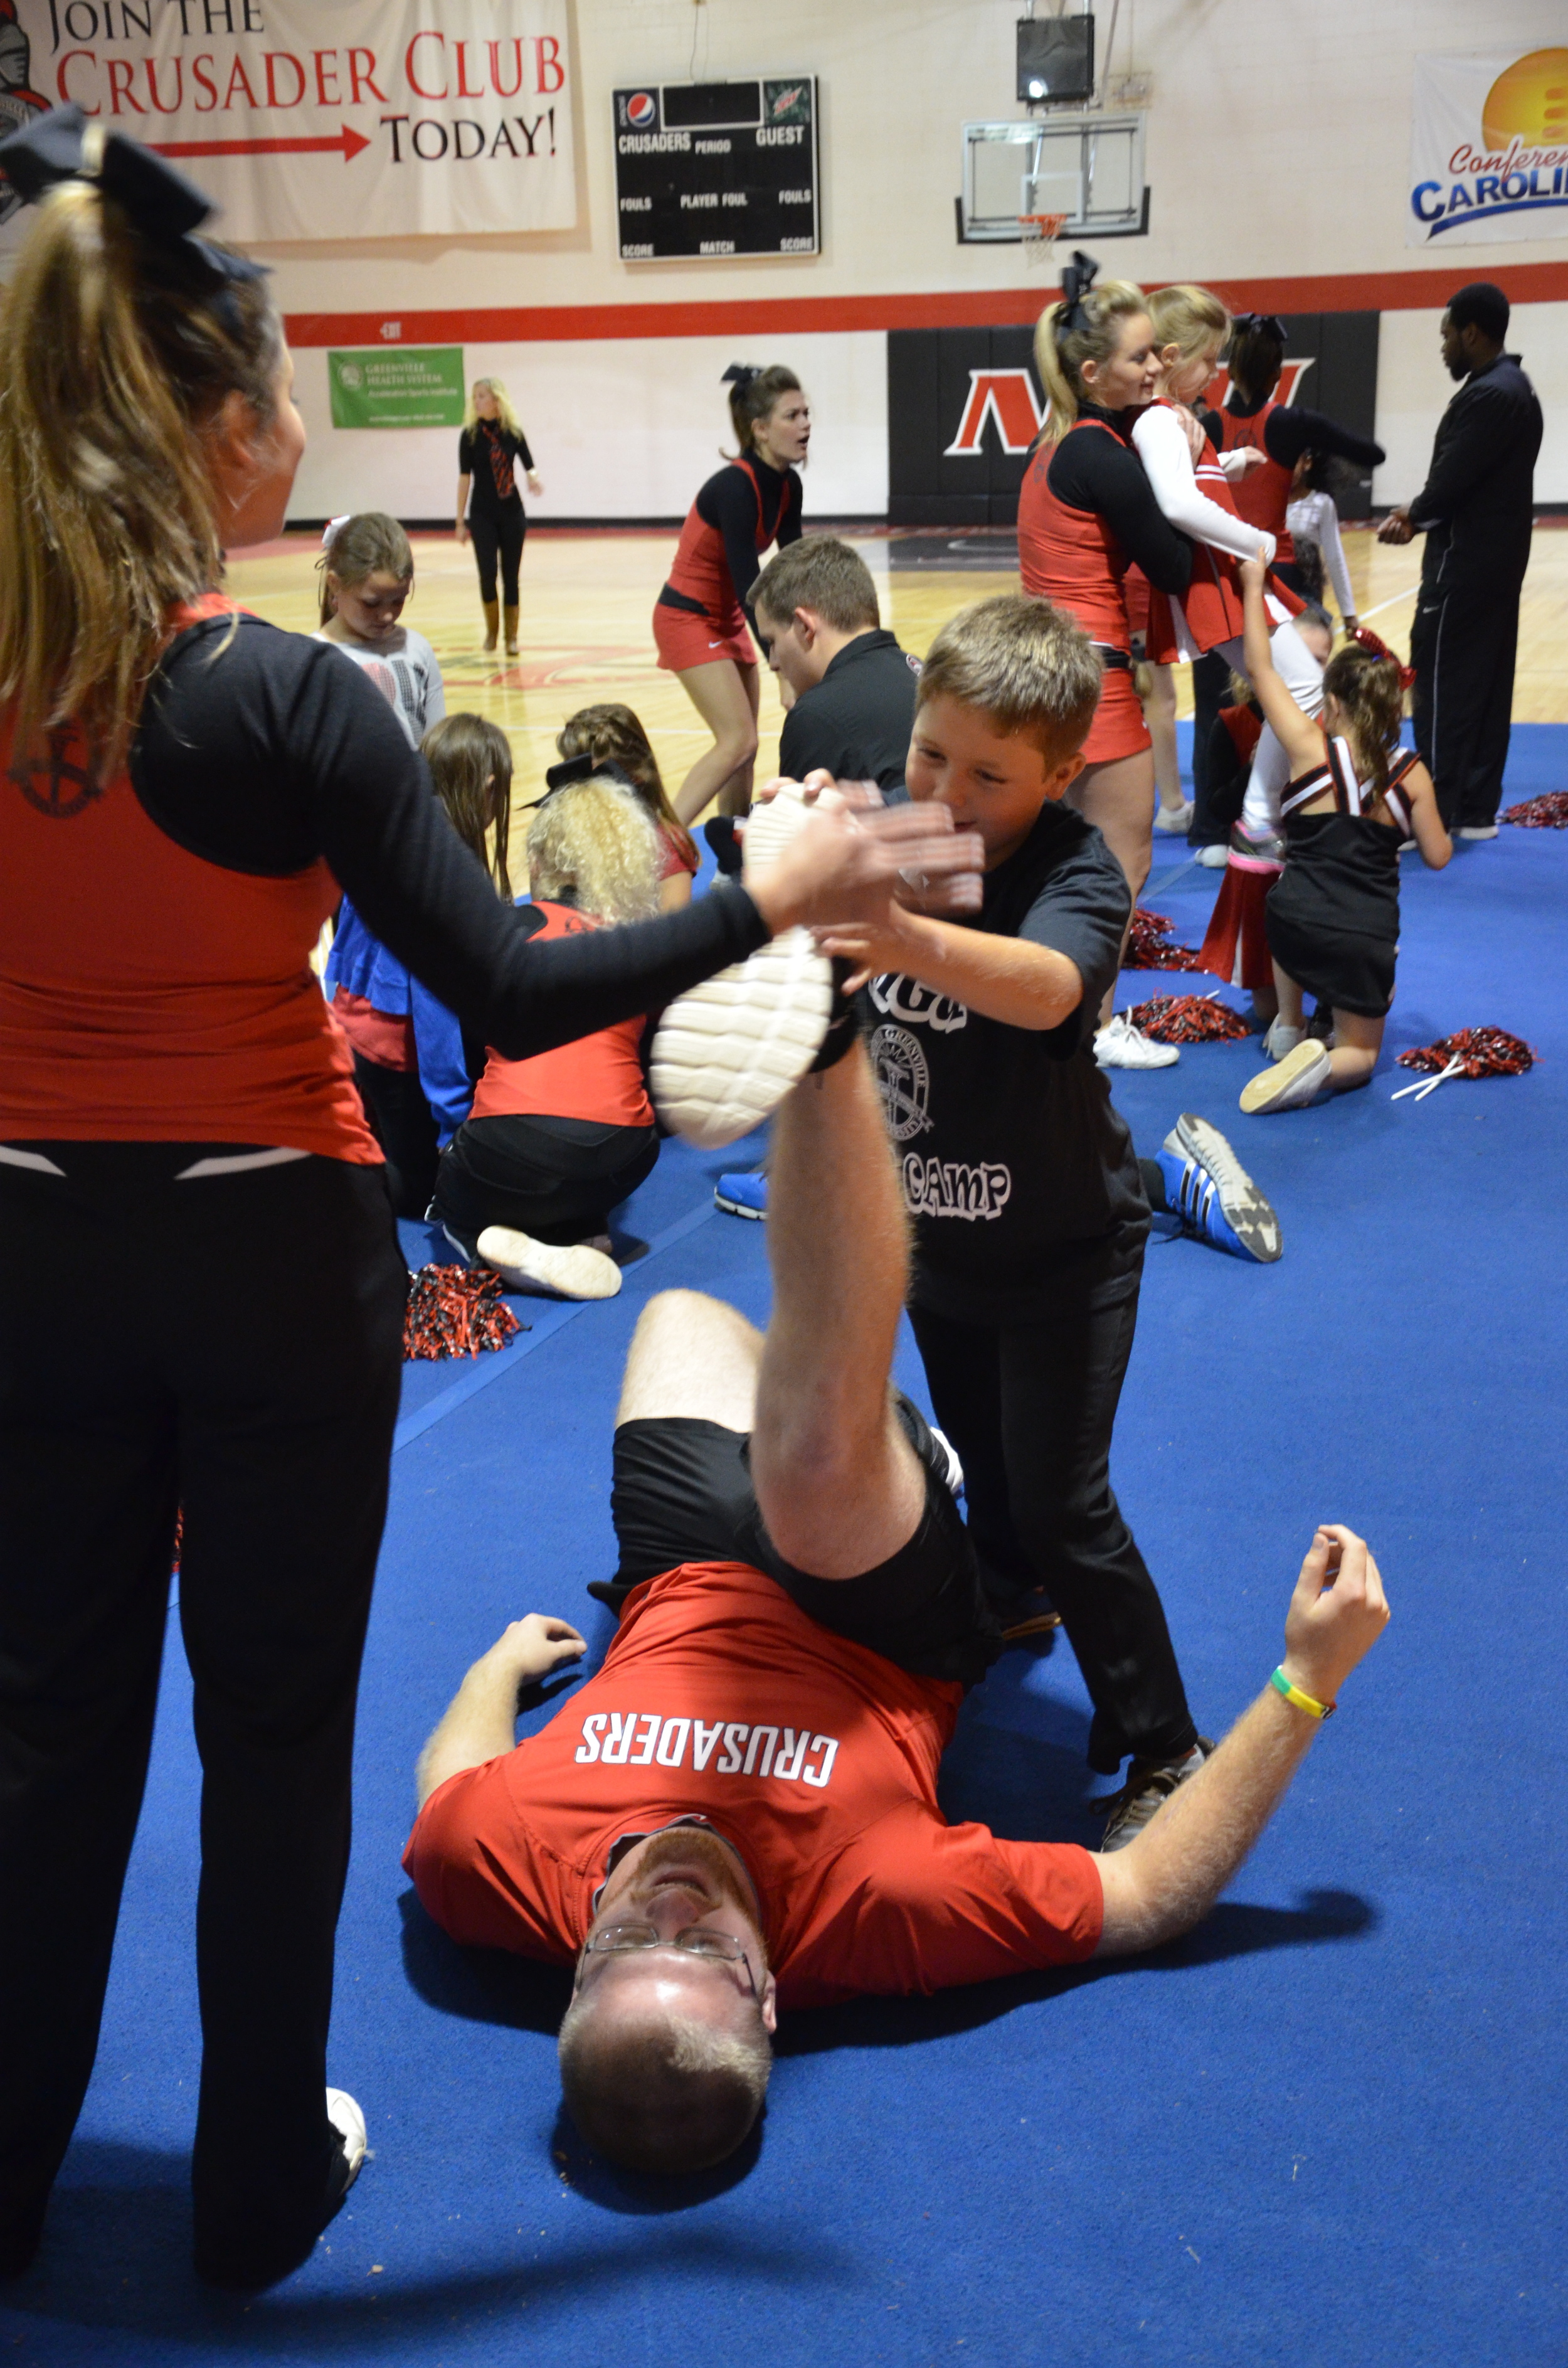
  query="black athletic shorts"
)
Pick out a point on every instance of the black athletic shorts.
point(682, 1492)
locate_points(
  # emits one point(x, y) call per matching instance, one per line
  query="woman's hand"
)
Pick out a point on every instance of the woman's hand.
point(1241, 461)
point(536, 483)
point(1196, 434)
point(845, 862)
point(1255, 572)
point(463, 532)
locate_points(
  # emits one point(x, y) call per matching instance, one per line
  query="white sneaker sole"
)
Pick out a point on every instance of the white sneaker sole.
point(728, 1051)
point(571, 1270)
point(347, 2120)
point(1291, 1083)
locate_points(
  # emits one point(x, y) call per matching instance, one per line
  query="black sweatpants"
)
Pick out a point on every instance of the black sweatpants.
point(404, 1124)
point(1463, 645)
point(1030, 1408)
point(499, 534)
point(232, 1346)
point(554, 1179)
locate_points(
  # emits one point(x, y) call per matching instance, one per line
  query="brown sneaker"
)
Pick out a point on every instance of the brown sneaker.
point(1149, 1783)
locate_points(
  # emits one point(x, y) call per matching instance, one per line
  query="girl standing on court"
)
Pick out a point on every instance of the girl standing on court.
point(490, 508)
point(1085, 514)
point(700, 620)
point(204, 1297)
point(367, 574)
point(1354, 796)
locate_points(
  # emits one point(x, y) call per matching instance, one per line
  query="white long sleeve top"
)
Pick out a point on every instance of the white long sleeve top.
point(1160, 441)
point(1313, 519)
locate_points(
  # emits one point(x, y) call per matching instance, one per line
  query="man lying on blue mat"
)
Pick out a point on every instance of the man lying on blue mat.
point(740, 1810)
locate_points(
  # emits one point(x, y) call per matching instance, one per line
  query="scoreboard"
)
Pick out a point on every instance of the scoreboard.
point(717, 168)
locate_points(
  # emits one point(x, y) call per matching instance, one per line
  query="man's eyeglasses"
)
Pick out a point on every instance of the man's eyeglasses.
point(697, 1941)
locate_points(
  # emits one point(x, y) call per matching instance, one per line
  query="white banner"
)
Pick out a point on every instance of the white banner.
point(1489, 149)
point(318, 119)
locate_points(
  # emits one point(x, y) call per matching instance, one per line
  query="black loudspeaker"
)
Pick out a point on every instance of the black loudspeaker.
point(1056, 58)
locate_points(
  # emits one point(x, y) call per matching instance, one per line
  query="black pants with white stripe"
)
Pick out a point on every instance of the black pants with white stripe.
point(1030, 1408)
point(232, 1346)
point(1462, 647)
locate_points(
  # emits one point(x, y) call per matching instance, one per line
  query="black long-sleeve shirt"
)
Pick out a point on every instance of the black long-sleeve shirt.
point(1477, 506)
point(268, 754)
point(1291, 429)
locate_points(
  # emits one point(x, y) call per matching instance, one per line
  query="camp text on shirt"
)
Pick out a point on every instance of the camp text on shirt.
point(932, 1188)
point(647, 1739)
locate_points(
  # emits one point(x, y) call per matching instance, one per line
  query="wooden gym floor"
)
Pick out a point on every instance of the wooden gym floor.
point(585, 635)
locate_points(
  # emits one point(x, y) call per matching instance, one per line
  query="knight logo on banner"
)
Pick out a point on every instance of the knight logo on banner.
point(301, 122)
point(1006, 400)
point(1488, 148)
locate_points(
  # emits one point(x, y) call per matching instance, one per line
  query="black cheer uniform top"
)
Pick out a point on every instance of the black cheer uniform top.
point(1013, 1159)
point(488, 454)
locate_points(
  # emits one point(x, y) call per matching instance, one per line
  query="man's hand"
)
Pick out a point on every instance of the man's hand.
point(1396, 527)
point(845, 864)
point(481, 1720)
point(534, 1645)
point(1336, 1614)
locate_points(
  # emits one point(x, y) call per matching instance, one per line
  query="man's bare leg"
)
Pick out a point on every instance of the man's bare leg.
point(840, 1485)
point(693, 1359)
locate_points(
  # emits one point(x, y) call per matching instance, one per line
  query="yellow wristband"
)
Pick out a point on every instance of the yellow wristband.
point(1282, 1685)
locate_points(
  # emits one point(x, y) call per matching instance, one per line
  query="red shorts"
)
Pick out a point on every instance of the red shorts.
point(1119, 729)
point(684, 640)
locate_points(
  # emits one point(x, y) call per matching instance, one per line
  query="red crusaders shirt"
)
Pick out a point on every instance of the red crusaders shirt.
point(721, 1699)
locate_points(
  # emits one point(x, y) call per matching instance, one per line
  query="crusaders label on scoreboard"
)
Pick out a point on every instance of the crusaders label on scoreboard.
point(717, 168)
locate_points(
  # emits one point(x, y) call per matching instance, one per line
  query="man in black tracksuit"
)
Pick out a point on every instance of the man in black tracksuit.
point(1476, 512)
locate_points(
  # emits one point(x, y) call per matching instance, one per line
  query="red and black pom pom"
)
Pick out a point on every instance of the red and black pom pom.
point(1478, 1051)
point(1188, 1019)
point(1548, 812)
point(1150, 946)
point(456, 1310)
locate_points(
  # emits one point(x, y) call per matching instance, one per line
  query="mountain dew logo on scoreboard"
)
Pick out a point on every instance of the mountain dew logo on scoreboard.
point(1489, 149)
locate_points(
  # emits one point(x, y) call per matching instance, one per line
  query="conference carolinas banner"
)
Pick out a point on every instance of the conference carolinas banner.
point(1489, 149)
point(318, 119)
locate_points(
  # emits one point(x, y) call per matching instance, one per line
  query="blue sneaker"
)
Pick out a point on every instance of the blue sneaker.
point(1211, 1195)
point(743, 1195)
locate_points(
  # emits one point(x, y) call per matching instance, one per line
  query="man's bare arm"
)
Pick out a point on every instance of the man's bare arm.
point(481, 1718)
point(1170, 1876)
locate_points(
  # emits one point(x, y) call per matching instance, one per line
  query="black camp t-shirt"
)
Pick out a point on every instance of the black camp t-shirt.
point(1014, 1159)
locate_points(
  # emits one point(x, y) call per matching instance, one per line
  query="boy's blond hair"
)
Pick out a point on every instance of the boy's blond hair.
point(1029, 667)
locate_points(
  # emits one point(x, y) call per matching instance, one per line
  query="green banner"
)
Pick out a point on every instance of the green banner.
point(414, 386)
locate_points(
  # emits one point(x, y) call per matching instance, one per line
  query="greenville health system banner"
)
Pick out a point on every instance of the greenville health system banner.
point(1489, 149)
point(318, 119)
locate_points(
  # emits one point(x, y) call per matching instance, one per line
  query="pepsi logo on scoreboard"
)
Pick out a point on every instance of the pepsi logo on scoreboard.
point(637, 110)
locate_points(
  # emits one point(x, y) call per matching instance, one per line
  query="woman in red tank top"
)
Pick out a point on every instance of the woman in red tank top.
point(552, 1144)
point(701, 621)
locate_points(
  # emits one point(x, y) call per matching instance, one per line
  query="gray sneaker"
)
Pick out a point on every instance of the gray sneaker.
point(1149, 1783)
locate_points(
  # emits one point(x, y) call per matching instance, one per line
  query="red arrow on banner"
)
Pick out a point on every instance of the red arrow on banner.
point(350, 142)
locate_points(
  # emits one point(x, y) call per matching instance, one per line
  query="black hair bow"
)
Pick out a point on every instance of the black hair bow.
point(584, 768)
point(1076, 281)
point(1258, 324)
point(162, 204)
point(740, 374)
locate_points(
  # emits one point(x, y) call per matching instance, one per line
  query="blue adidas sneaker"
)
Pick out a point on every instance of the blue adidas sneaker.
point(743, 1195)
point(1210, 1194)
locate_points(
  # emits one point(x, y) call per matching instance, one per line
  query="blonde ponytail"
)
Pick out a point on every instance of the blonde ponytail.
point(1097, 318)
point(597, 840)
point(115, 353)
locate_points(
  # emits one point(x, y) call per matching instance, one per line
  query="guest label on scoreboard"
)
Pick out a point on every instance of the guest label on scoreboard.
point(717, 168)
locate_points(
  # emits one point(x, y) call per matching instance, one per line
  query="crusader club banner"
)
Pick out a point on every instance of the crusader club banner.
point(317, 119)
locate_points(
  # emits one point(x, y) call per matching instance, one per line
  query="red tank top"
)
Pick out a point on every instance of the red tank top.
point(1070, 557)
point(1262, 495)
point(147, 996)
point(599, 1079)
point(702, 571)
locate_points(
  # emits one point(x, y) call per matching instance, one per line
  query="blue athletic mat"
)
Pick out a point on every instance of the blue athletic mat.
point(1325, 2130)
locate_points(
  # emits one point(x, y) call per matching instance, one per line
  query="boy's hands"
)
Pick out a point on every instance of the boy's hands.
point(1336, 1614)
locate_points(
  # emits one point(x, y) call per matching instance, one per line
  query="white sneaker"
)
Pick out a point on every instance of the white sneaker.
point(349, 2122)
point(1119, 1045)
point(955, 1468)
point(1174, 819)
point(1476, 830)
point(1291, 1083)
point(1278, 1038)
point(571, 1269)
point(727, 1051)
point(1213, 858)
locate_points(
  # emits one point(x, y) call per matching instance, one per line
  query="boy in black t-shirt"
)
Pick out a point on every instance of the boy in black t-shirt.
point(1030, 1218)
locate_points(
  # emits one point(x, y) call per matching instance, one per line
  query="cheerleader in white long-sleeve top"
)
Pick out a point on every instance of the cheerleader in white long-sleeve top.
point(1353, 799)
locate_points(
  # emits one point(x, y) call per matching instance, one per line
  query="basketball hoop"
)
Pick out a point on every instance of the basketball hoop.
point(1040, 234)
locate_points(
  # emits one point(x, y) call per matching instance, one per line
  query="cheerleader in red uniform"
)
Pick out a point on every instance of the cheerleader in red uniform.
point(701, 619)
point(1085, 514)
